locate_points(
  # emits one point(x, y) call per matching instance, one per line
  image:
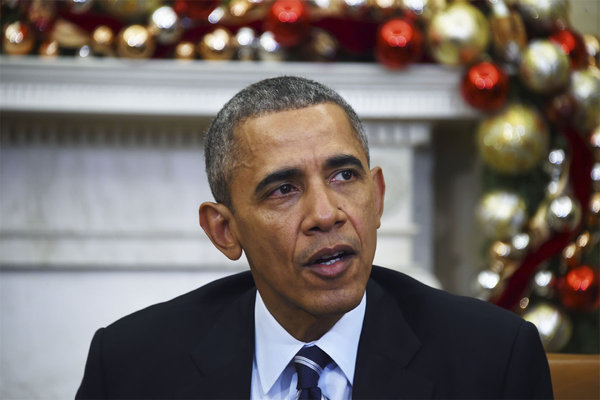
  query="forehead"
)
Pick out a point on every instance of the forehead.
point(290, 135)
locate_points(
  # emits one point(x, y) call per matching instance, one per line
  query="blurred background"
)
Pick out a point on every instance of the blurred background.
point(484, 114)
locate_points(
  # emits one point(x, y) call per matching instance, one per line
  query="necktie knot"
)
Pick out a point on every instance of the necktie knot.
point(310, 362)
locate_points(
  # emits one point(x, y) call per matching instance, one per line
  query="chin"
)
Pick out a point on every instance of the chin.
point(337, 303)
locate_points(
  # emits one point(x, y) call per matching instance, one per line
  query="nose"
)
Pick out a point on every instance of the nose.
point(322, 209)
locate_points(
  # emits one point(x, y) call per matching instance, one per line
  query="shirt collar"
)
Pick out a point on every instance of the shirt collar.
point(275, 347)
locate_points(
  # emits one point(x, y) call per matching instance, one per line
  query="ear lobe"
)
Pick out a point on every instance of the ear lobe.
point(379, 191)
point(215, 219)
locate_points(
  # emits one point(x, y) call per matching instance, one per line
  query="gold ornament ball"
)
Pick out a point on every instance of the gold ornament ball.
point(245, 44)
point(595, 142)
point(49, 49)
point(501, 214)
point(544, 67)
point(594, 209)
point(135, 41)
point(585, 90)
point(185, 51)
point(513, 141)
point(424, 9)
point(553, 325)
point(545, 15)
point(458, 35)
point(17, 39)
point(484, 284)
point(216, 45)
point(103, 39)
point(563, 214)
point(164, 24)
point(592, 47)
point(513, 249)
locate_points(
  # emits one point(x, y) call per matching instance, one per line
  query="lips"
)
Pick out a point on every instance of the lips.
point(330, 262)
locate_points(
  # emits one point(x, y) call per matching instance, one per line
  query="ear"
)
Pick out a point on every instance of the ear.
point(378, 191)
point(216, 220)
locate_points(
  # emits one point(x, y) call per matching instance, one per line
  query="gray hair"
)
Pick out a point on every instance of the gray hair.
point(263, 97)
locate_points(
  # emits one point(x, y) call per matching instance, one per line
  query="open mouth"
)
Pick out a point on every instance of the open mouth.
point(327, 257)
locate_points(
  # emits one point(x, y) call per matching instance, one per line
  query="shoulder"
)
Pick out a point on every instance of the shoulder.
point(441, 319)
point(188, 315)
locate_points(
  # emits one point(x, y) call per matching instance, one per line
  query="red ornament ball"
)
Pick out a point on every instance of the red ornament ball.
point(485, 86)
point(573, 45)
point(579, 289)
point(194, 9)
point(288, 20)
point(399, 43)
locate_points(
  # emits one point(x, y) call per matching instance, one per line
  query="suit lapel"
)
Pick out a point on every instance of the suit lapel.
point(386, 348)
point(224, 357)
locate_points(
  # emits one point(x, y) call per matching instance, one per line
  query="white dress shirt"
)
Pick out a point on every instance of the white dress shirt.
point(273, 372)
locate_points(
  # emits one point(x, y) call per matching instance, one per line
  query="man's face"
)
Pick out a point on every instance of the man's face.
point(307, 209)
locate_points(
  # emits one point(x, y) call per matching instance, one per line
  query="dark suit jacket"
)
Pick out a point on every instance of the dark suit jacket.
point(416, 342)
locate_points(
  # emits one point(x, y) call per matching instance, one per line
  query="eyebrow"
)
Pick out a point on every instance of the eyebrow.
point(285, 174)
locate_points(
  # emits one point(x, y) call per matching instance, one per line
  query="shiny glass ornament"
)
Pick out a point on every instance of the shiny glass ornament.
point(424, 9)
point(544, 67)
point(399, 43)
point(595, 142)
point(69, 35)
point(103, 41)
point(584, 88)
point(458, 35)
point(513, 141)
point(135, 41)
point(269, 49)
point(508, 32)
point(322, 46)
point(79, 6)
point(194, 9)
point(579, 289)
point(594, 210)
point(185, 50)
point(216, 45)
point(484, 284)
point(17, 38)
point(553, 325)
point(563, 214)
point(485, 86)
point(592, 46)
point(571, 42)
point(288, 21)
point(245, 42)
point(543, 283)
point(544, 16)
point(501, 214)
point(49, 48)
point(165, 26)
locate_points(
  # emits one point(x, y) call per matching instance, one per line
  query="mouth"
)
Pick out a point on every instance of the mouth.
point(331, 262)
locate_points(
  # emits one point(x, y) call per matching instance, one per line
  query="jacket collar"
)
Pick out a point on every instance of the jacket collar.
point(386, 348)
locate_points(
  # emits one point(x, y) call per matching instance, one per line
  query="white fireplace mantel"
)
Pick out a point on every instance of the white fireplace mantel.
point(102, 164)
point(200, 88)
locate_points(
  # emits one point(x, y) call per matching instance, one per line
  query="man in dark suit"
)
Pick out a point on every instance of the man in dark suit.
point(288, 164)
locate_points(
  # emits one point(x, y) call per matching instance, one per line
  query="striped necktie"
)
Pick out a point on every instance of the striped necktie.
point(310, 362)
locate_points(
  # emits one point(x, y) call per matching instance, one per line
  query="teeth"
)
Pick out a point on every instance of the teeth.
point(335, 258)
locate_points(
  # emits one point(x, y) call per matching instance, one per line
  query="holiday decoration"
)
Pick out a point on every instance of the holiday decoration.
point(185, 51)
point(563, 214)
point(322, 46)
point(592, 46)
point(584, 89)
point(216, 45)
point(269, 49)
point(485, 86)
point(502, 214)
point(554, 326)
point(573, 46)
point(165, 26)
point(288, 20)
point(103, 39)
point(544, 67)
point(399, 43)
point(17, 38)
point(508, 32)
point(458, 34)
point(135, 41)
point(544, 16)
point(513, 141)
point(579, 289)
point(245, 44)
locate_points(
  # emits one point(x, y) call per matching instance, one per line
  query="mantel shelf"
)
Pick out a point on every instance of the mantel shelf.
point(200, 88)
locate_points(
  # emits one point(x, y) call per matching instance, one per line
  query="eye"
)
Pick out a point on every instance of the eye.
point(282, 190)
point(344, 175)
